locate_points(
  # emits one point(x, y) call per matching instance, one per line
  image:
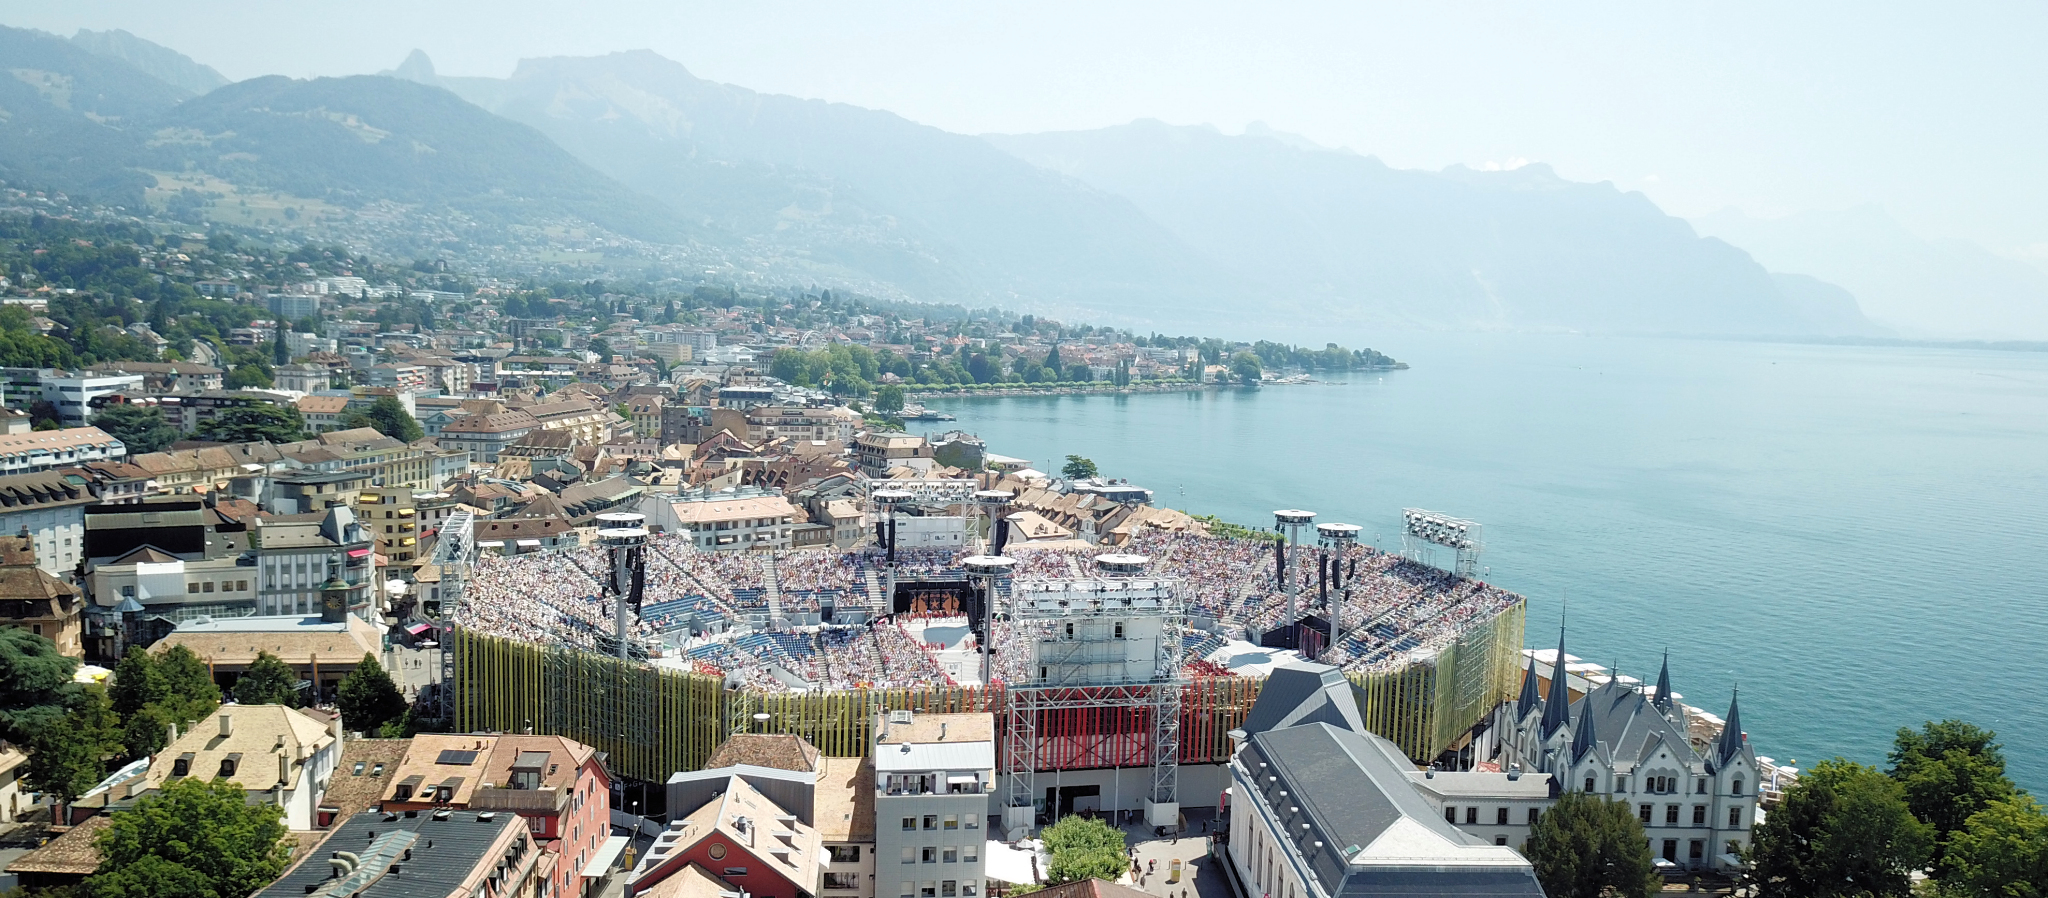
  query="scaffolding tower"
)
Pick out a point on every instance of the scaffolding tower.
point(1111, 641)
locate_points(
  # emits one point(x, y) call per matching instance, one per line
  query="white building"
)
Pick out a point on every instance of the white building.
point(73, 394)
point(933, 776)
point(50, 507)
point(742, 518)
point(31, 451)
point(1625, 744)
point(295, 554)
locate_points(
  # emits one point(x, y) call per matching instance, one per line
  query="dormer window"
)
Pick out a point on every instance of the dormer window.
point(227, 764)
point(182, 766)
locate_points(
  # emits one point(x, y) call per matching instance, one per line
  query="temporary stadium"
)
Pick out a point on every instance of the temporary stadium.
point(1139, 659)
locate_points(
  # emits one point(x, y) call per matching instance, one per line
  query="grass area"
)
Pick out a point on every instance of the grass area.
point(223, 202)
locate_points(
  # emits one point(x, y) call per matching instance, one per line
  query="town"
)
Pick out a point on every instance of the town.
point(424, 581)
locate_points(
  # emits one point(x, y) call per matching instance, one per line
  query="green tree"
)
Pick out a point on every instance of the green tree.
point(369, 698)
point(193, 694)
point(280, 351)
point(141, 428)
point(1587, 847)
point(1052, 363)
point(251, 423)
point(151, 877)
point(889, 398)
point(1078, 468)
point(2002, 852)
point(387, 416)
point(1084, 848)
point(192, 828)
point(247, 377)
point(137, 682)
point(35, 681)
point(146, 731)
point(1844, 829)
point(1950, 770)
point(268, 681)
point(1246, 368)
point(68, 756)
point(602, 348)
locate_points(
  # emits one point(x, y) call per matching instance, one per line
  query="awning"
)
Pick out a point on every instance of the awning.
point(358, 553)
point(602, 862)
point(961, 780)
point(530, 543)
point(1003, 863)
point(417, 629)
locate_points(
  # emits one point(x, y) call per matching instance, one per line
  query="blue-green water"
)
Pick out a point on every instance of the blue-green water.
point(1856, 535)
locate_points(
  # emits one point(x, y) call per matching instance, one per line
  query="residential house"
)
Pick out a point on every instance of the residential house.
point(932, 777)
point(728, 521)
point(486, 434)
point(558, 787)
point(49, 507)
point(296, 554)
point(278, 755)
point(34, 600)
point(441, 853)
point(323, 413)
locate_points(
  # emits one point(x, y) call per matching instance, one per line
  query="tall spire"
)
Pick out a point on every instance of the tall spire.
point(1663, 700)
point(1532, 698)
point(1583, 739)
point(1557, 709)
point(1730, 743)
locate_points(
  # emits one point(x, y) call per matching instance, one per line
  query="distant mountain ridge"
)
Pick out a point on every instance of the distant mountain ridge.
point(1521, 249)
point(158, 61)
point(1144, 224)
point(1924, 288)
point(863, 191)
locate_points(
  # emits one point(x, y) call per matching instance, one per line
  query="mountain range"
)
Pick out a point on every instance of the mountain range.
point(1146, 223)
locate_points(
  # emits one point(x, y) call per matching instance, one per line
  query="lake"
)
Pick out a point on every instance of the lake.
point(1857, 537)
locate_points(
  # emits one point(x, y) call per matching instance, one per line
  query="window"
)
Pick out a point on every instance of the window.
point(206, 587)
point(1733, 847)
point(227, 766)
point(970, 853)
point(1696, 850)
point(950, 855)
point(1500, 817)
point(1533, 814)
point(967, 889)
point(842, 880)
point(949, 889)
point(1471, 815)
point(1589, 784)
point(1700, 787)
point(844, 854)
point(910, 855)
point(973, 821)
point(931, 821)
point(191, 587)
point(1671, 815)
point(928, 854)
point(1734, 818)
point(1671, 849)
point(1621, 784)
point(1500, 840)
point(909, 889)
point(181, 767)
point(1643, 814)
point(359, 769)
point(1450, 814)
point(1738, 786)
point(1119, 630)
point(909, 824)
point(1699, 815)
point(928, 889)
point(952, 821)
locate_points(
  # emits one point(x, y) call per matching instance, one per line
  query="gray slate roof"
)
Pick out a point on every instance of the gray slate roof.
point(1304, 693)
point(458, 844)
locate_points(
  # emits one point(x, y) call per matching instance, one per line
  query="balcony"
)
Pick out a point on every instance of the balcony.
point(501, 799)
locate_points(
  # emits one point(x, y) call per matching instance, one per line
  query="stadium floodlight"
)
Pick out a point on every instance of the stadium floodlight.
point(1420, 527)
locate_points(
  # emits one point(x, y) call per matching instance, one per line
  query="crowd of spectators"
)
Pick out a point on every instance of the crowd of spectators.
point(1385, 606)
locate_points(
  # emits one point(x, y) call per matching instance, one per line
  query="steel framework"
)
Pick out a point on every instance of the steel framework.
point(1067, 710)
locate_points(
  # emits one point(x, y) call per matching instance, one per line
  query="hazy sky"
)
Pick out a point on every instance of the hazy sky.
point(1938, 112)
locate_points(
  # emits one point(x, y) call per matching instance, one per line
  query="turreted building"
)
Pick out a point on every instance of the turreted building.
point(1697, 801)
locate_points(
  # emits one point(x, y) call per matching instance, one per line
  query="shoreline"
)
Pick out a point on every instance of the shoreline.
point(1105, 389)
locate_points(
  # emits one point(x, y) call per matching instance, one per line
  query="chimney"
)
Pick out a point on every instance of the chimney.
point(284, 770)
point(227, 727)
point(170, 734)
point(942, 732)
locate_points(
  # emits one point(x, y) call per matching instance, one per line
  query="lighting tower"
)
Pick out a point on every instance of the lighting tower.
point(1421, 529)
point(1335, 541)
point(985, 571)
point(885, 533)
point(1289, 522)
point(990, 503)
point(623, 535)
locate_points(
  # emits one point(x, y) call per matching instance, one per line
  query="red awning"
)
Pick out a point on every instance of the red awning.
point(417, 629)
point(358, 553)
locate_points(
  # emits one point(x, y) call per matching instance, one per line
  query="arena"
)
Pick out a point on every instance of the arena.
point(816, 639)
